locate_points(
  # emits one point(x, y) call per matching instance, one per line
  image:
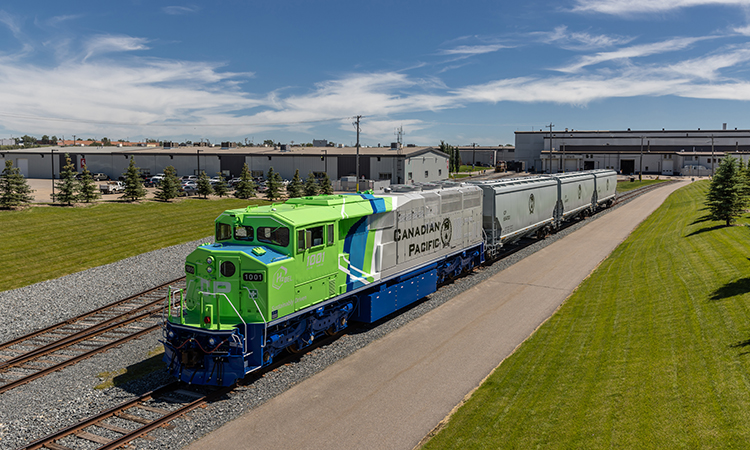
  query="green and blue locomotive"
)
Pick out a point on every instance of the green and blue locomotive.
point(278, 277)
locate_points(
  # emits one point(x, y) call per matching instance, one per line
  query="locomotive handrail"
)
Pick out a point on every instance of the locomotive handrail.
point(265, 323)
point(218, 312)
point(170, 297)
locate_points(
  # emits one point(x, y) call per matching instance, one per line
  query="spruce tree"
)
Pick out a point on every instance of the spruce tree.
point(325, 185)
point(272, 184)
point(134, 189)
point(294, 188)
point(14, 190)
point(311, 185)
point(87, 190)
point(66, 187)
point(246, 187)
point(725, 199)
point(220, 188)
point(204, 185)
point(169, 186)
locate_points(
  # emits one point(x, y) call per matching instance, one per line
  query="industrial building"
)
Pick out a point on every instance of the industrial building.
point(659, 152)
point(399, 165)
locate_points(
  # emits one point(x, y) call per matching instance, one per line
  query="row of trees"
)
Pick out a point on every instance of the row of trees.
point(454, 156)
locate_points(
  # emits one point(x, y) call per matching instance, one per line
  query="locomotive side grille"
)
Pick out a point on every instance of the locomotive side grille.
point(332, 286)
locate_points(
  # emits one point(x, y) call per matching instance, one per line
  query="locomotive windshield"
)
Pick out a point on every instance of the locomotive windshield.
point(274, 235)
point(223, 232)
point(244, 233)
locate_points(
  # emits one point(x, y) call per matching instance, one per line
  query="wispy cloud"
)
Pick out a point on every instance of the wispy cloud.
point(473, 49)
point(109, 44)
point(635, 51)
point(179, 10)
point(561, 37)
point(633, 7)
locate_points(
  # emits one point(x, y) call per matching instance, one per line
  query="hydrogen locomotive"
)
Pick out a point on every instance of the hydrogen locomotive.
point(280, 276)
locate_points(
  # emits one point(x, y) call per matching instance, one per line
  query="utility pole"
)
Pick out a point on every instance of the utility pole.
point(550, 146)
point(356, 124)
point(640, 169)
point(712, 156)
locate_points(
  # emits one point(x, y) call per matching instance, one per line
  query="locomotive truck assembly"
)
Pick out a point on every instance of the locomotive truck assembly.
point(282, 275)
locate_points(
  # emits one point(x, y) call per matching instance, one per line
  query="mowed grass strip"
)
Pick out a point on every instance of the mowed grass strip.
point(652, 350)
point(41, 243)
point(625, 186)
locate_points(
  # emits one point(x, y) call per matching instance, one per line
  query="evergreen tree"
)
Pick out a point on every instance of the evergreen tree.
point(67, 185)
point(311, 185)
point(220, 188)
point(87, 190)
point(204, 185)
point(14, 190)
point(456, 159)
point(246, 187)
point(134, 189)
point(294, 188)
point(725, 200)
point(169, 185)
point(325, 185)
point(272, 184)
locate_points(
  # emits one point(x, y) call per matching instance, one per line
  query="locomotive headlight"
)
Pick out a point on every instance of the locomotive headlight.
point(211, 341)
point(171, 334)
point(209, 260)
point(209, 269)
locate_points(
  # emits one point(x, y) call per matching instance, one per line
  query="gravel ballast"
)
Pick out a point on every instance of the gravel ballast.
point(43, 406)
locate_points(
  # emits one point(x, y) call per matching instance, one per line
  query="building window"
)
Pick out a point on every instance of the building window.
point(426, 173)
point(440, 172)
point(384, 176)
point(410, 177)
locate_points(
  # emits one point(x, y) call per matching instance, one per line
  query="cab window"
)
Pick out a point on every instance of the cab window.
point(274, 235)
point(223, 231)
point(314, 236)
point(244, 233)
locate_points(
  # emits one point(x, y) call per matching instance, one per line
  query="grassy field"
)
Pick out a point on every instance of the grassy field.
point(624, 186)
point(41, 243)
point(652, 351)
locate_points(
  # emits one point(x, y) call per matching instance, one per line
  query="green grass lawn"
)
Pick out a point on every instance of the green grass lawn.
point(625, 186)
point(652, 351)
point(41, 243)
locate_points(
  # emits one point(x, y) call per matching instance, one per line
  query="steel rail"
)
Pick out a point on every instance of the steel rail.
point(75, 359)
point(80, 317)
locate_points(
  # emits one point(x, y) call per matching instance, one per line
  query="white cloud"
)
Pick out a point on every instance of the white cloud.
point(635, 51)
point(179, 10)
point(110, 44)
point(633, 7)
point(473, 49)
point(578, 40)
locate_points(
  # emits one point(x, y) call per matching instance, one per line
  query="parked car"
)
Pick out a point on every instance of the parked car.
point(100, 177)
point(189, 178)
point(188, 190)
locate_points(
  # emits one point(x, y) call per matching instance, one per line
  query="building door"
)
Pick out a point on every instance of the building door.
point(23, 166)
point(627, 166)
point(588, 165)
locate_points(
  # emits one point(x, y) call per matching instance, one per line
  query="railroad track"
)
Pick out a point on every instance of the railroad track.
point(50, 349)
point(118, 426)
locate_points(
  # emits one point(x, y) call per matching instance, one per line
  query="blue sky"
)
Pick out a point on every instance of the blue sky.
point(463, 72)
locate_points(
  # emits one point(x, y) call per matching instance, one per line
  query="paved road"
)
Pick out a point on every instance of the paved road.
point(390, 394)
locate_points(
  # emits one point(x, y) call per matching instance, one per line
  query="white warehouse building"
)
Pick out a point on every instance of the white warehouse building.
point(661, 152)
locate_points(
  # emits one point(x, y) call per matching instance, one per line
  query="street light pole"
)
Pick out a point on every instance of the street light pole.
point(198, 158)
point(550, 146)
point(52, 160)
point(357, 125)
